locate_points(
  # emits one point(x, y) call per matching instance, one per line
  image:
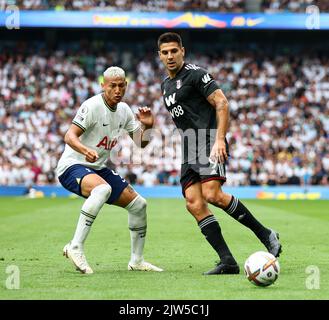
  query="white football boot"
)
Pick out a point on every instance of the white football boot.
point(143, 266)
point(76, 255)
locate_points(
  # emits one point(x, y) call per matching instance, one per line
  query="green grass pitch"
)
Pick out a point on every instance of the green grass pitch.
point(34, 231)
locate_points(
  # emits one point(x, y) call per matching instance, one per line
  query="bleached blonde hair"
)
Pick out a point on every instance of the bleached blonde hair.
point(114, 72)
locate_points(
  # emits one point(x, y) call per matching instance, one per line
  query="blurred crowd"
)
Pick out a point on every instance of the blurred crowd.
point(273, 6)
point(171, 5)
point(132, 5)
point(279, 103)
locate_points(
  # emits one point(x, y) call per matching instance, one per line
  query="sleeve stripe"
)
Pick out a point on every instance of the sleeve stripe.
point(79, 125)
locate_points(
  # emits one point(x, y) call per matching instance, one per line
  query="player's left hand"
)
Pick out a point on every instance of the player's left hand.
point(145, 116)
point(218, 152)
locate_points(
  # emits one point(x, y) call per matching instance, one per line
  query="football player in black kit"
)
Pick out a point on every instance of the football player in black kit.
point(201, 113)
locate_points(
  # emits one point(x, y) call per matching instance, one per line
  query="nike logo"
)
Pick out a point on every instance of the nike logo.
point(241, 216)
point(105, 124)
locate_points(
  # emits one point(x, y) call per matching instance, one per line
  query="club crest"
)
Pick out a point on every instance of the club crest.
point(179, 84)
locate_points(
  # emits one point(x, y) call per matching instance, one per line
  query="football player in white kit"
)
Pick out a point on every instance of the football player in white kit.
point(82, 170)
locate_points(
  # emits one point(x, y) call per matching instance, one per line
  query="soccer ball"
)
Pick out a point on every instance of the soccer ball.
point(262, 268)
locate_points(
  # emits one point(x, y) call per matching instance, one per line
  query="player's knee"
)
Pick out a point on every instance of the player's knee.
point(214, 197)
point(142, 203)
point(102, 190)
point(195, 207)
point(138, 206)
point(137, 213)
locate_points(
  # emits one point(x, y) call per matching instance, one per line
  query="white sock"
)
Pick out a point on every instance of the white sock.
point(137, 226)
point(98, 196)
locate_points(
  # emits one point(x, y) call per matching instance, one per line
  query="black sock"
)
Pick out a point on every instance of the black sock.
point(211, 230)
point(239, 212)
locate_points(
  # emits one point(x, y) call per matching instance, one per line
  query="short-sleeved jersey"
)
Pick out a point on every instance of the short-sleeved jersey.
point(102, 127)
point(185, 97)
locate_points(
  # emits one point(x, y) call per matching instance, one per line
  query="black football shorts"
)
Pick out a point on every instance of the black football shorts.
point(192, 173)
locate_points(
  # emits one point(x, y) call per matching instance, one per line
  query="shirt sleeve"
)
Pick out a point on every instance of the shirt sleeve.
point(83, 118)
point(131, 124)
point(204, 82)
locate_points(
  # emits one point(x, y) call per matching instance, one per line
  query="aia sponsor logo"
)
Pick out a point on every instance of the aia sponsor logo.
point(107, 143)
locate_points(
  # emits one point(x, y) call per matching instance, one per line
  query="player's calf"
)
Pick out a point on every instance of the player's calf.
point(137, 222)
point(89, 212)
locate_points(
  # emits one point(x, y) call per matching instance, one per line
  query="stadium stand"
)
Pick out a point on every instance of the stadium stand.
point(129, 5)
point(274, 6)
point(236, 6)
point(279, 112)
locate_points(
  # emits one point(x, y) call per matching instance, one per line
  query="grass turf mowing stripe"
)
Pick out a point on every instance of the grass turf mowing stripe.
point(33, 233)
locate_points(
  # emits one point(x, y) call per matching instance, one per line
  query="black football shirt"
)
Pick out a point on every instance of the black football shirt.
point(185, 97)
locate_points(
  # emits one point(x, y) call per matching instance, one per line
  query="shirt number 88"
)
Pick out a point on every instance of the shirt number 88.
point(177, 111)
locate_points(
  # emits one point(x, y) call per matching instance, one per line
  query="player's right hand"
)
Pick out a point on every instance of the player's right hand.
point(91, 155)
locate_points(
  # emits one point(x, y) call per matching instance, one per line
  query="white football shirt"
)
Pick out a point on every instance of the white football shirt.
point(102, 127)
